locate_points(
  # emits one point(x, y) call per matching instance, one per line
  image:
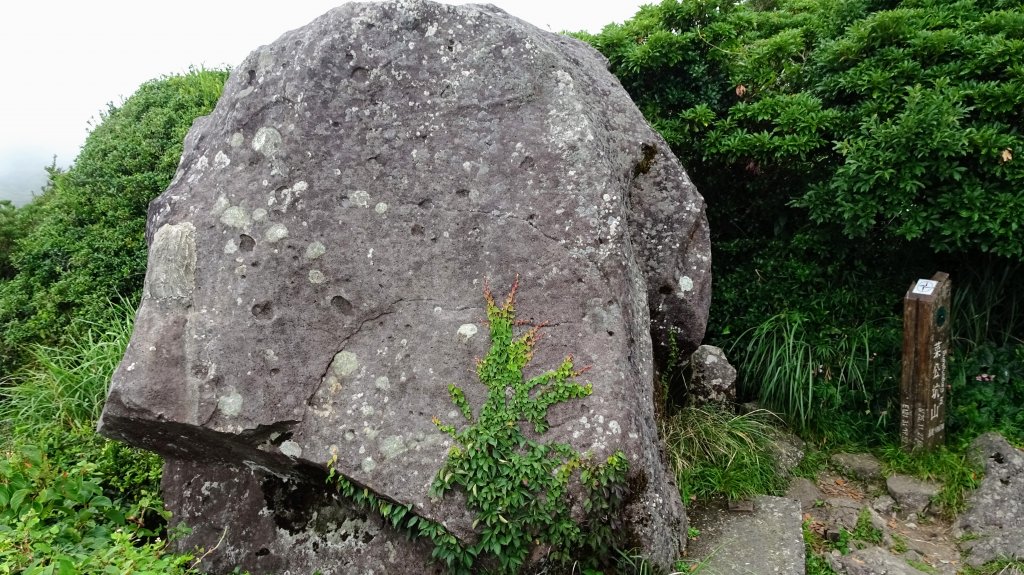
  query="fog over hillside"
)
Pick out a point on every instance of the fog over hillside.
point(23, 174)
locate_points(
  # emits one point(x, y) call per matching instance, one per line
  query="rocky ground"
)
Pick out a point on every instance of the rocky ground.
point(873, 524)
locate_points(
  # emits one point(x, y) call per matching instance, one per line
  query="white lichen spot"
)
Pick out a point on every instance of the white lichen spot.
point(276, 233)
point(237, 139)
point(467, 330)
point(220, 205)
point(367, 410)
point(345, 363)
point(685, 285)
point(291, 449)
point(259, 215)
point(381, 208)
point(221, 160)
point(710, 359)
point(613, 427)
point(266, 141)
point(315, 250)
point(230, 404)
point(317, 277)
point(360, 198)
point(382, 383)
point(231, 246)
point(368, 465)
point(236, 217)
point(392, 446)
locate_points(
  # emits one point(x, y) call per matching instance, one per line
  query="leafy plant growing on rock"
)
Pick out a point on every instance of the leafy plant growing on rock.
point(519, 487)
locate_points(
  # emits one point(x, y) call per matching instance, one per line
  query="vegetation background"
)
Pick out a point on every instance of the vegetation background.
point(845, 148)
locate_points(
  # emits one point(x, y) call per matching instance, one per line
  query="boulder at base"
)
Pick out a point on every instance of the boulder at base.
point(316, 266)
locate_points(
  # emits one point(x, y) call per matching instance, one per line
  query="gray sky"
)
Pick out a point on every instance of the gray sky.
point(66, 59)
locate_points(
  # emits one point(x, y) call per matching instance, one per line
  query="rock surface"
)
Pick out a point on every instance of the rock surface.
point(873, 561)
point(912, 495)
point(263, 523)
point(767, 541)
point(316, 265)
point(712, 378)
point(862, 466)
point(995, 511)
point(805, 492)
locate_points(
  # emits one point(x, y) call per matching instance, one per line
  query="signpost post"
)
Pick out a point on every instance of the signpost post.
point(926, 331)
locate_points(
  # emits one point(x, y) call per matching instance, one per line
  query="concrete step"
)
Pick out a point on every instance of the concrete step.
point(765, 541)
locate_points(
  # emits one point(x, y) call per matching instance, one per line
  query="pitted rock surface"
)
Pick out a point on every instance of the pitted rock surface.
point(317, 263)
point(264, 523)
point(995, 513)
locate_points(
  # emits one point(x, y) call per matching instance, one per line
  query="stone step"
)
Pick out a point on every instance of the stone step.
point(765, 541)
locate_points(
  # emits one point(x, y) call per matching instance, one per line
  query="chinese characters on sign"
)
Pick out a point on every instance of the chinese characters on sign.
point(925, 351)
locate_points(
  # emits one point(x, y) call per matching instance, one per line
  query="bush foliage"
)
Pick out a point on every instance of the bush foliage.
point(87, 242)
point(844, 147)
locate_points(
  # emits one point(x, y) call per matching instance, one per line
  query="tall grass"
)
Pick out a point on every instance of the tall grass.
point(64, 386)
point(804, 372)
point(988, 308)
point(714, 452)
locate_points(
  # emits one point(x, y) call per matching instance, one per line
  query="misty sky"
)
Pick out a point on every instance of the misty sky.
point(66, 59)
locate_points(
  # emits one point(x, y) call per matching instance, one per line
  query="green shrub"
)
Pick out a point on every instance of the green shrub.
point(59, 520)
point(70, 500)
point(87, 245)
point(518, 487)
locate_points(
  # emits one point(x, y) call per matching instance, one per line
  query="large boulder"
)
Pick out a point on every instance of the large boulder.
point(992, 527)
point(316, 266)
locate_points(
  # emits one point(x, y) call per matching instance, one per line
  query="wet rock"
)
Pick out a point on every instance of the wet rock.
point(994, 519)
point(912, 495)
point(317, 263)
point(863, 466)
point(712, 378)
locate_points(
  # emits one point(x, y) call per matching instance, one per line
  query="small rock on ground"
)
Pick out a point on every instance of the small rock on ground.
point(805, 491)
point(911, 494)
point(862, 466)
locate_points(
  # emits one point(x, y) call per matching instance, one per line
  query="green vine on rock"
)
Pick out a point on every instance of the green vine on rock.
point(518, 487)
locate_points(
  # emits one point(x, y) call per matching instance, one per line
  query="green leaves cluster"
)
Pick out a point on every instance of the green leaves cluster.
point(70, 500)
point(897, 120)
point(61, 521)
point(518, 487)
point(86, 242)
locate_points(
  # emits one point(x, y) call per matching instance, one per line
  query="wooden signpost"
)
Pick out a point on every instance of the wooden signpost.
point(926, 320)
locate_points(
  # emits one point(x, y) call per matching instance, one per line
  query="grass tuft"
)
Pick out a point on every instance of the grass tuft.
point(714, 452)
point(65, 386)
